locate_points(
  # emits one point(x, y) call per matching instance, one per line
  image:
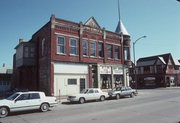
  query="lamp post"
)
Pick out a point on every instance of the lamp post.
point(135, 76)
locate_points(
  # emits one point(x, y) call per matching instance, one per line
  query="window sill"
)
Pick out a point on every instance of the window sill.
point(93, 57)
point(86, 56)
point(74, 55)
point(63, 54)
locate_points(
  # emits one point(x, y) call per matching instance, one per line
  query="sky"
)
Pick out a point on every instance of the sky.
point(159, 20)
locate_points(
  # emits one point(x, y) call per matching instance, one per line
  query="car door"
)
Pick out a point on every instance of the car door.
point(34, 100)
point(128, 91)
point(97, 94)
point(123, 91)
point(90, 95)
point(21, 103)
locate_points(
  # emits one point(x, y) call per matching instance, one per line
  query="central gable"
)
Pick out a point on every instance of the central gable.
point(92, 23)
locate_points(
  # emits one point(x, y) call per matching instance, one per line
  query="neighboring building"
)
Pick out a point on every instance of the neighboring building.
point(64, 57)
point(177, 71)
point(5, 79)
point(156, 71)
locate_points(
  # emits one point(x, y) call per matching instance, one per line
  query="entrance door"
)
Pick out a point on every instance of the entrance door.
point(82, 84)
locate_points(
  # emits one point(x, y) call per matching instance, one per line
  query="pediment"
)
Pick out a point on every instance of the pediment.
point(92, 23)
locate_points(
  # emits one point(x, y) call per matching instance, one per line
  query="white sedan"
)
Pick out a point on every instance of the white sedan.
point(87, 95)
point(21, 101)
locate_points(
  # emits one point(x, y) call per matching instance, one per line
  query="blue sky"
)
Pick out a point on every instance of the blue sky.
point(158, 19)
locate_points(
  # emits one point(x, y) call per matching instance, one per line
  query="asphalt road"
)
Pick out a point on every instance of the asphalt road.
point(150, 106)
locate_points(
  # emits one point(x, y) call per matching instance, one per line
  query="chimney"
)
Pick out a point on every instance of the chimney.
point(4, 65)
point(21, 40)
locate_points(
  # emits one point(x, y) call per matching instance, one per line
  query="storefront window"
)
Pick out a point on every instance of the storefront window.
point(106, 81)
point(72, 81)
point(118, 80)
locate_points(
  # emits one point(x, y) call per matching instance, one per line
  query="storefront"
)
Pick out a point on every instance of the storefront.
point(112, 75)
point(118, 76)
point(150, 81)
point(105, 77)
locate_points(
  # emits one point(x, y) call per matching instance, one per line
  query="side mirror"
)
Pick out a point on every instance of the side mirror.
point(15, 100)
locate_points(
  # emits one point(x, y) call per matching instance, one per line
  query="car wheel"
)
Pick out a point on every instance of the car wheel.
point(3, 112)
point(132, 95)
point(102, 98)
point(44, 107)
point(81, 100)
point(118, 96)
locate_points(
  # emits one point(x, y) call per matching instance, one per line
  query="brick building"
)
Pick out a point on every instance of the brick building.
point(64, 57)
point(157, 71)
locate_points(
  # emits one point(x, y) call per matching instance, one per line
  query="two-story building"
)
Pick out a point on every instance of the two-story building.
point(64, 57)
point(155, 71)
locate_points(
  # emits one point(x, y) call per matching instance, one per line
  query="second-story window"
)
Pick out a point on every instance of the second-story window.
point(73, 46)
point(43, 47)
point(100, 49)
point(26, 52)
point(32, 52)
point(117, 52)
point(85, 47)
point(61, 45)
point(126, 53)
point(110, 51)
point(93, 48)
point(159, 68)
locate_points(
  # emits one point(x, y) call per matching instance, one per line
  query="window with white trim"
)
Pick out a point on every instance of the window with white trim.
point(93, 48)
point(126, 53)
point(73, 46)
point(85, 47)
point(100, 50)
point(117, 52)
point(110, 51)
point(61, 43)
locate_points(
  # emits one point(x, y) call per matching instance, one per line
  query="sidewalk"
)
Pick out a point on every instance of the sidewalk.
point(62, 99)
point(175, 87)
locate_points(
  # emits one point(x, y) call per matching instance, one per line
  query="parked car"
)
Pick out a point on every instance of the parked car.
point(87, 95)
point(22, 101)
point(119, 92)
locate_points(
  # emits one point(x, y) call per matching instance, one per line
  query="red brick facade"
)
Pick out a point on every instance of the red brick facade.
point(45, 54)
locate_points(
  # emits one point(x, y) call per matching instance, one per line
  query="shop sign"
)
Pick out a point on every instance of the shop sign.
point(105, 70)
point(150, 78)
point(117, 70)
point(171, 78)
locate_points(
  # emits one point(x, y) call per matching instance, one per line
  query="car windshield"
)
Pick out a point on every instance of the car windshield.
point(84, 91)
point(12, 97)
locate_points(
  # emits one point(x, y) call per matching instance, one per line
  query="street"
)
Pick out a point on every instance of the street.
point(150, 106)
